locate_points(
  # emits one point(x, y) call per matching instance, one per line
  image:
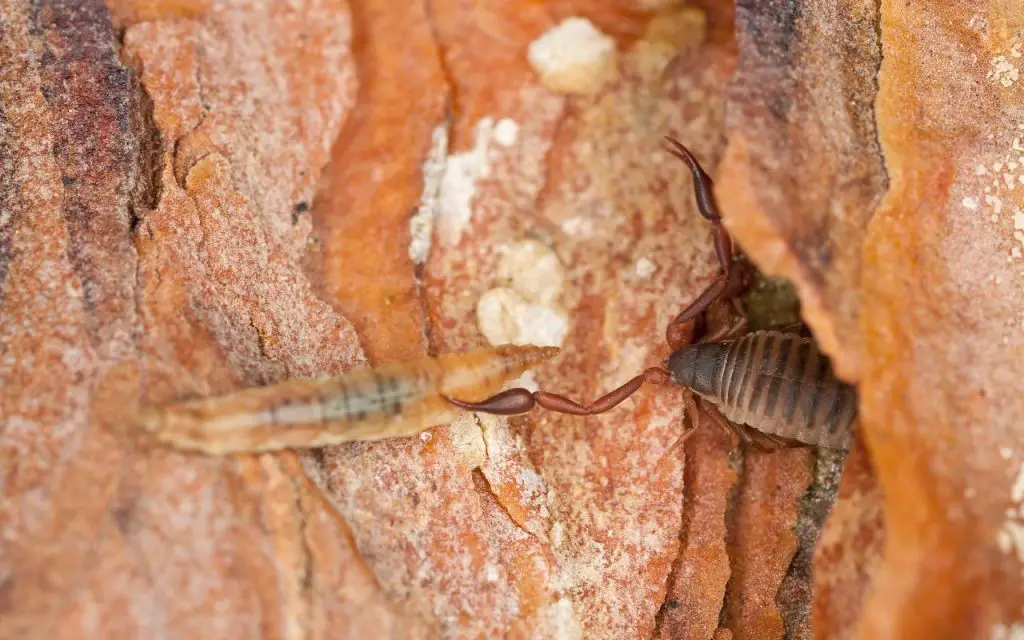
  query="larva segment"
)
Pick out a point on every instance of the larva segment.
point(391, 401)
point(777, 383)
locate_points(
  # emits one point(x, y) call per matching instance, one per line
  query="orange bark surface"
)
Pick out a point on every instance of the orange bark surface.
point(197, 197)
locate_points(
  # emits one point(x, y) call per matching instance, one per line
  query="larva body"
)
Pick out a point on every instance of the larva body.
point(777, 383)
point(391, 401)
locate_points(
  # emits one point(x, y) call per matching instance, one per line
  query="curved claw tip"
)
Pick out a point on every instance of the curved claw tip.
point(680, 151)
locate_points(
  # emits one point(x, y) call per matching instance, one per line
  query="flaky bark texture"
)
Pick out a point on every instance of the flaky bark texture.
point(199, 196)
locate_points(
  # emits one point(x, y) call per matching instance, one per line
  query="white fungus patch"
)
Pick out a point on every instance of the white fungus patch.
point(461, 174)
point(533, 270)
point(523, 310)
point(421, 225)
point(504, 316)
point(574, 57)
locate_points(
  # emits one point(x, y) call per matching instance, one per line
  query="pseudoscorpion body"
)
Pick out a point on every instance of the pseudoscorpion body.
point(769, 388)
point(779, 383)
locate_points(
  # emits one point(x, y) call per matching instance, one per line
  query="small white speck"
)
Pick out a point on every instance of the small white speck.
point(995, 202)
point(644, 267)
point(426, 436)
point(970, 203)
point(1005, 452)
point(506, 132)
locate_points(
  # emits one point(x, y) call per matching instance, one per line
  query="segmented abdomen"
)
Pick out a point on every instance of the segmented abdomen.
point(391, 401)
point(782, 384)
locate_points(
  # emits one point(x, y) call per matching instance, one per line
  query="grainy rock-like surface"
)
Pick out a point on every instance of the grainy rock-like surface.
point(198, 196)
point(149, 253)
point(943, 320)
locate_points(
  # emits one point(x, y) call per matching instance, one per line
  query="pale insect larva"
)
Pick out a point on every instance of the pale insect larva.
point(390, 401)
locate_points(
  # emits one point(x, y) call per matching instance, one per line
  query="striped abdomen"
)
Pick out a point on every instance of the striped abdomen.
point(391, 401)
point(777, 383)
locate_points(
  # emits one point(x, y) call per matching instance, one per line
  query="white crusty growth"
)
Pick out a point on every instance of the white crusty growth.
point(392, 401)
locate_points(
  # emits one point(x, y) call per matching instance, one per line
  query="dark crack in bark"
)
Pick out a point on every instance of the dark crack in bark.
point(796, 593)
